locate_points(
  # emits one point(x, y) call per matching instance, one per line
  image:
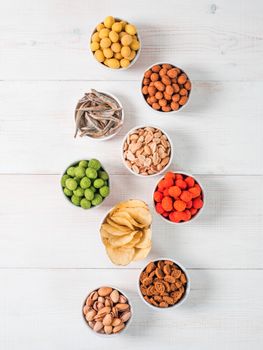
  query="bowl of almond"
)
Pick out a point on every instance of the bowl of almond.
point(164, 284)
point(147, 151)
point(107, 311)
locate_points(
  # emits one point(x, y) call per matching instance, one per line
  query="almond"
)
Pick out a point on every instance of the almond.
point(115, 296)
point(103, 291)
point(118, 328)
point(125, 316)
point(107, 320)
point(108, 329)
point(122, 307)
point(98, 326)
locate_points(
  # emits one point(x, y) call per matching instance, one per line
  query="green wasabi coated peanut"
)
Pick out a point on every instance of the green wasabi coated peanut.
point(93, 189)
point(89, 194)
point(75, 200)
point(63, 180)
point(67, 192)
point(95, 164)
point(85, 182)
point(103, 175)
point(71, 184)
point(77, 179)
point(91, 173)
point(85, 204)
point(84, 163)
point(71, 171)
point(79, 192)
point(98, 183)
point(79, 172)
point(104, 191)
point(97, 199)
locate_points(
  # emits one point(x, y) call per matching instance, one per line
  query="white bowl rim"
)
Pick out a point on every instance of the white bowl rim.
point(199, 211)
point(187, 291)
point(67, 198)
point(101, 139)
point(124, 330)
point(171, 153)
point(159, 111)
point(135, 58)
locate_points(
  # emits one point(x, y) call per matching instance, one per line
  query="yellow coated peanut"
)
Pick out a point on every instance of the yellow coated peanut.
point(130, 29)
point(114, 36)
point(108, 53)
point(116, 47)
point(108, 22)
point(126, 40)
point(135, 45)
point(124, 63)
point(95, 37)
point(104, 33)
point(105, 42)
point(117, 27)
point(132, 55)
point(113, 63)
point(118, 55)
point(94, 46)
point(125, 51)
point(100, 26)
point(99, 56)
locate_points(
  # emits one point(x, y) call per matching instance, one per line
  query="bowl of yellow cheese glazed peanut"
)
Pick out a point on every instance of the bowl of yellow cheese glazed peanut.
point(115, 43)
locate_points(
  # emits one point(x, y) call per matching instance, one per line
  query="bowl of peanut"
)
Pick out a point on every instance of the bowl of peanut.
point(147, 151)
point(166, 88)
point(164, 284)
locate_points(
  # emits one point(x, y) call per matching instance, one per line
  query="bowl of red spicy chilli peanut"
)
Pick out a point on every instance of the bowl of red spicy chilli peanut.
point(166, 88)
point(178, 197)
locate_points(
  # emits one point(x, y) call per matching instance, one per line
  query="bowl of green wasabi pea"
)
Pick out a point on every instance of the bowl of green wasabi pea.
point(85, 183)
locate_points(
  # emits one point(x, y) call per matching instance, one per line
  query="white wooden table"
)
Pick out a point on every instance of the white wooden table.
point(50, 252)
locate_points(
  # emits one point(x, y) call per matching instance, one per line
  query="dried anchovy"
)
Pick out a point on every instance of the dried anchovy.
point(97, 115)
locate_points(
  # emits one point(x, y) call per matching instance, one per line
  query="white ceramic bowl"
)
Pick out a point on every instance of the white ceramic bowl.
point(199, 211)
point(124, 330)
point(159, 111)
point(168, 138)
point(69, 200)
point(185, 296)
point(104, 219)
point(117, 130)
point(132, 62)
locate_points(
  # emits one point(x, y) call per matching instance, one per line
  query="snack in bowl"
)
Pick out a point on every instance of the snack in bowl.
point(166, 88)
point(164, 283)
point(107, 311)
point(178, 197)
point(115, 43)
point(86, 183)
point(126, 232)
point(98, 115)
point(147, 151)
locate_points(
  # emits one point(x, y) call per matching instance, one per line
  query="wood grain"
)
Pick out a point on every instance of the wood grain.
point(219, 132)
point(47, 40)
point(43, 310)
point(40, 228)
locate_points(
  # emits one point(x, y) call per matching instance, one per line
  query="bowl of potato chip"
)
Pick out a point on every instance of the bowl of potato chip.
point(126, 232)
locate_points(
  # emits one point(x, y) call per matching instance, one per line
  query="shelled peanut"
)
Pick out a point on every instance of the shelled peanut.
point(115, 43)
point(107, 310)
point(166, 88)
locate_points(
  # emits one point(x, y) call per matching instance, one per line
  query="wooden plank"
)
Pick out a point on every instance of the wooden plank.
point(43, 310)
point(48, 40)
point(39, 228)
point(218, 132)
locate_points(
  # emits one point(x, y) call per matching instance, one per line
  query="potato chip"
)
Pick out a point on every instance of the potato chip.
point(141, 215)
point(136, 239)
point(121, 220)
point(120, 241)
point(120, 256)
point(132, 203)
point(125, 229)
point(104, 233)
point(145, 240)
point(112, 230)
point(123, 213)
point(141, 253)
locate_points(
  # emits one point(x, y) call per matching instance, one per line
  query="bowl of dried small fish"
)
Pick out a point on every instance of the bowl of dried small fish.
point(98, 115)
